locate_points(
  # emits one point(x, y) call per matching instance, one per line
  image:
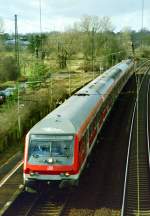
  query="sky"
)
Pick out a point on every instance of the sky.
point(58, 15)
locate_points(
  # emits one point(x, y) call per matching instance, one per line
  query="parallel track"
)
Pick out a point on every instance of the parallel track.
point(136, 199)
point(10, 187)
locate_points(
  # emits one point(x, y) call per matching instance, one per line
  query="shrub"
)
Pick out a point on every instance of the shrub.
point(8, 68)
point(39, 72)
point(87, 66)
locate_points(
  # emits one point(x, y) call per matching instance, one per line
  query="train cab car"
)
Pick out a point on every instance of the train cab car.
point(50, 152)
point(55, 148)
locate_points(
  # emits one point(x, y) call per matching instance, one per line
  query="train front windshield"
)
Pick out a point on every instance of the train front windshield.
point(44, 149)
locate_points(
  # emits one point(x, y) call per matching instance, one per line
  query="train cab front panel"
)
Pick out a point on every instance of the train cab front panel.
point(51, 157)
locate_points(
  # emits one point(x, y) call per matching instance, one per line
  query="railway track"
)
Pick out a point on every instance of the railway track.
point(52, 203)
point(136, 200)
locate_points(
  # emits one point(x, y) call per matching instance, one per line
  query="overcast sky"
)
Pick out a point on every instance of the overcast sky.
point(59, 14)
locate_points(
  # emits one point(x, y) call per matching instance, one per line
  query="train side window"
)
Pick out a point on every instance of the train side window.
point(83, 142)
point(110, 100)
point(95, 122)
point(93, 126)
point(99, 114)
point(97, 118)
point(86, 137)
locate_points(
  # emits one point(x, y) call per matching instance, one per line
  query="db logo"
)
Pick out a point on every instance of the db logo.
point(50, 168)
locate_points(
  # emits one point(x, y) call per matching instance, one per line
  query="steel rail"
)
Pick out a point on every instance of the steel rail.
point(128, 155)
point(32, 205)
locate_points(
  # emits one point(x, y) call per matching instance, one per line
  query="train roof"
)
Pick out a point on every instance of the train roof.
point(104, 81)
point(69, 116)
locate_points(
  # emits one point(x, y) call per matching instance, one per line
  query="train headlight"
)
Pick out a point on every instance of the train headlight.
point(50, 160)
point(67, 174)
point(34, 173)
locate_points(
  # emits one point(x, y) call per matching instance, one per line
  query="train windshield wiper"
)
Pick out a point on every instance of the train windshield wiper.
point(67, 152)
point(35, 155)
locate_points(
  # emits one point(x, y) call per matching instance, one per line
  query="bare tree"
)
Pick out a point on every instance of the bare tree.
point(96, 32)
point(68, 45)
point(106, 24)
point(125, 40)
point(90, 23)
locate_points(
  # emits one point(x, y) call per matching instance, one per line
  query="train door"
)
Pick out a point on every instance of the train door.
point(83, 148)
point(92, 130)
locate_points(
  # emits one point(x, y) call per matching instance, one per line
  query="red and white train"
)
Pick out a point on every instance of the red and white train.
point(57, 147)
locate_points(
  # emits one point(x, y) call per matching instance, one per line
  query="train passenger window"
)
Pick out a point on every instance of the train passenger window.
point(83, 148)
point(83, 142)
point(86, 137)
point(95, 121)
point(92, 127)
point(99, 114)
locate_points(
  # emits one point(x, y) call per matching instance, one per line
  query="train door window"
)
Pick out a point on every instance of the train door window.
point(95, 122)
point(86, 137)
point(91, 128)
point(100, 118)
point(83, 148)
point(97, 119)
point(92, 131)
point(83, 143)
point(109, 100)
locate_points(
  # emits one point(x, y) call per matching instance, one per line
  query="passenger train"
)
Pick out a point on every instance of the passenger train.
point(57, 147)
